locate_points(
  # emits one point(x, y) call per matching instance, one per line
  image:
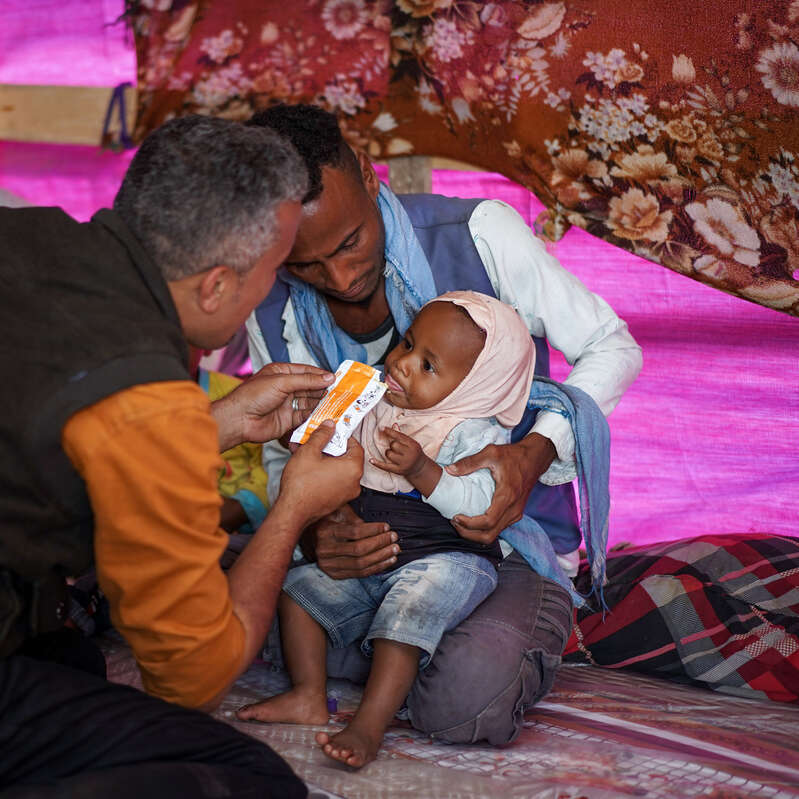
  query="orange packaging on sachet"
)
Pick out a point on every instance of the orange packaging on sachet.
point(355, 391)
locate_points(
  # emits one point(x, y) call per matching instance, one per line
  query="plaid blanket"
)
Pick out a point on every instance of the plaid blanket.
point(720, 611)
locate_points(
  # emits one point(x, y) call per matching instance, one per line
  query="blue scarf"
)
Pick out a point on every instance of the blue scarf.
point(592, 456)
point(409, 285)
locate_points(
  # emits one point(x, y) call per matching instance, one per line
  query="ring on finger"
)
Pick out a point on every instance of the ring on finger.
point(295, 404)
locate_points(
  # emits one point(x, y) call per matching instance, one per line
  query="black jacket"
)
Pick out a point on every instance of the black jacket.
point(85, 313)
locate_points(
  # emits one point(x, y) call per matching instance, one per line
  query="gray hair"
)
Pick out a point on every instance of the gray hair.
point(203, 191)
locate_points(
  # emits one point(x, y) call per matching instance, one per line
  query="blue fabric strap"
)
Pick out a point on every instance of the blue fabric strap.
point(269, 316)
point(592, 456)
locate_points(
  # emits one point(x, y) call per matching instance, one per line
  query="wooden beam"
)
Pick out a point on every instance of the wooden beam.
point(59, 114)
point(461, 166)
point(410, 174)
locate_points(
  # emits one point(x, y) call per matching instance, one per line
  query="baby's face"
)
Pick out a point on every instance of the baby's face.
point(437, 352)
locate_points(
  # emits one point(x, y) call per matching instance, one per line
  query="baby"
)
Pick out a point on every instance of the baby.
point(458, 381)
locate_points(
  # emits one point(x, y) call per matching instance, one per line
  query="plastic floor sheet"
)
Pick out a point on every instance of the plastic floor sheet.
point(599, 734)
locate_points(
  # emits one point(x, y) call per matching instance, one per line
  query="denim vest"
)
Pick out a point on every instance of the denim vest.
point(442, 227)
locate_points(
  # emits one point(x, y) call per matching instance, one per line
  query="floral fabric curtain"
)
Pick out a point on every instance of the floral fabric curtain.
point(669, 129)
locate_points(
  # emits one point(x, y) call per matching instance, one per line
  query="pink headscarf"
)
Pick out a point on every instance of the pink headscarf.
point(497, 385)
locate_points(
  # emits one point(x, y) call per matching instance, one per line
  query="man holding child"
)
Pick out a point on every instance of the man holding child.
point(363, 262)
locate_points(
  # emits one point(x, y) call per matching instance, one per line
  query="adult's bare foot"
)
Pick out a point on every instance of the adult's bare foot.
point(293, 707)
point(355, 745)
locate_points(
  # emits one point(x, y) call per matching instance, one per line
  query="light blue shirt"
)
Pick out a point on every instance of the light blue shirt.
point(471, 494)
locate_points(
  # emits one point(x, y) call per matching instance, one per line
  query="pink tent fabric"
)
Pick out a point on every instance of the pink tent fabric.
point(705, 441)
point(79, 179)
point(71, 43)
point(668, 129)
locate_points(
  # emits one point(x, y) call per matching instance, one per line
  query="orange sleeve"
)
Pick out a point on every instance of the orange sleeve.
point(149, 457)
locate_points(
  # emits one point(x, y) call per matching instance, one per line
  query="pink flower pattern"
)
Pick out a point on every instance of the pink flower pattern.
point(679, 143)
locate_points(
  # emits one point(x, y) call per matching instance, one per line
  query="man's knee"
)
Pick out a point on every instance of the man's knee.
point(486, 703)
point(494, 666)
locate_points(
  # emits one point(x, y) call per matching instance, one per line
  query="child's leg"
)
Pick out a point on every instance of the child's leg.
point(436, 593)
point(304, 649)
point(394, 668)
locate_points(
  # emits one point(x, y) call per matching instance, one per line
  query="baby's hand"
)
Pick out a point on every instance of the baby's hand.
point(402, 456)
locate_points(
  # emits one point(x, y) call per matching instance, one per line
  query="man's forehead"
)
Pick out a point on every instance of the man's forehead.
point(340, 191)
point(329, 219)
point(321, 230)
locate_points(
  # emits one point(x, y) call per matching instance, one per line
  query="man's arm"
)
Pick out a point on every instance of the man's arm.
point(314, 484)
point(557, 306)
point(276, 399)
point(515, 468)
point(148, 457)
point(273, 455)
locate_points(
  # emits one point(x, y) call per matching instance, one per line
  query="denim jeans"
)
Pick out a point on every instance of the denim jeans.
point(493, 666)
point(414, 604)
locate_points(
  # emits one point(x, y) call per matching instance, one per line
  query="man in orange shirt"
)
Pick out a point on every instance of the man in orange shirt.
point(110, 458)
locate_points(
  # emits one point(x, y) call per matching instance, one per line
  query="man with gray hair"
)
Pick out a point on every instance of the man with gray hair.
point(110, 454)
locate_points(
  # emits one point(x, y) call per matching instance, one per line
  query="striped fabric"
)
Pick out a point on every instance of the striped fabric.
point(720, 611)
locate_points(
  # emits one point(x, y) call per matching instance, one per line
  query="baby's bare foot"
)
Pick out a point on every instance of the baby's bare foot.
point(356, 746)
point(293, 707)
